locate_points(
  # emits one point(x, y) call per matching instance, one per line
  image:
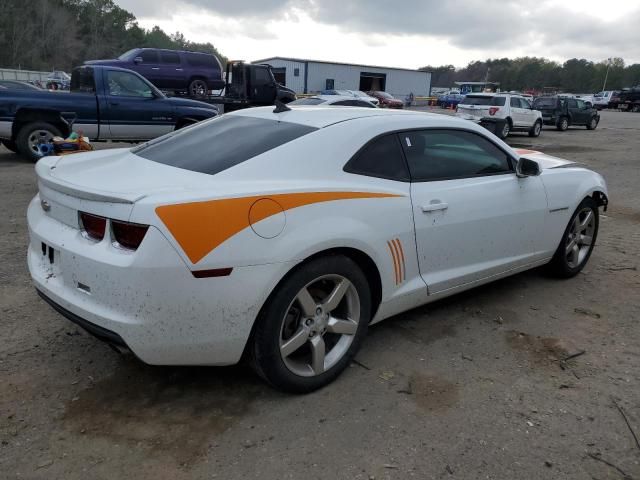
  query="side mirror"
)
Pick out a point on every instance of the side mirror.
point(527, 168)
point(137, 60)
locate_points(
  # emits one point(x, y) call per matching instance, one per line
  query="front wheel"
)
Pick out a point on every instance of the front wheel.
point(577, 241)
point(593, 123)
point(312, 325)
point(563, 124)
point(536, 129)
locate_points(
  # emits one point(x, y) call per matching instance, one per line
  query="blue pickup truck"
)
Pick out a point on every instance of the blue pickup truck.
point(106, 103)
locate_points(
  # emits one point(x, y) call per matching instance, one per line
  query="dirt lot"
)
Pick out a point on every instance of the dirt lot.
point(471, 387)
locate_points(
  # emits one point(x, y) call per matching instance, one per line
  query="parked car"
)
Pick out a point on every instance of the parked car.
point(17, 85)
point(450, 99)
point(602, 99)
point(58, 81)
point(106, 103)
point(386, 99)
point(504, 111)
point(280, 237)
point(360, 94)
point(563, 112)
point(615, 99)
point(334, 100)
point(629, 99)
point(174, 70)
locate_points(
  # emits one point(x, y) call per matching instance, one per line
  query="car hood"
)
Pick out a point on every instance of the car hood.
point(545, 161)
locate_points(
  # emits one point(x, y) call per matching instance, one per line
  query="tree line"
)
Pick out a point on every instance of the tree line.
point(535, 74)
point(60, 34)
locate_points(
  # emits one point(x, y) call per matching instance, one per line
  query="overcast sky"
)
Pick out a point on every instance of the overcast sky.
point(410, 33)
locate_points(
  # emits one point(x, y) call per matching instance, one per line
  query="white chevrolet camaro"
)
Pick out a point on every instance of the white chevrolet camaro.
point(280, 236)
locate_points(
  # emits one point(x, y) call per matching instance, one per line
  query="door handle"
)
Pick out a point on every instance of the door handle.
point(155, 68)
point(179, 69)
point(114, 104)
point(432, 207)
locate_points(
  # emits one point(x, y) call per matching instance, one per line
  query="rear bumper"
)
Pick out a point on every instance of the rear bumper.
point(147, 300)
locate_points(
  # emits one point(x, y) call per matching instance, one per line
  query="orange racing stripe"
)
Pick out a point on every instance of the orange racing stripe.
point(200, 227)
point(395, 262)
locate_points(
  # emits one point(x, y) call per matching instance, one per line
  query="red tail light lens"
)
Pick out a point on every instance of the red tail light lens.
point(128, 235)
point(93, 225)
point(493, 110)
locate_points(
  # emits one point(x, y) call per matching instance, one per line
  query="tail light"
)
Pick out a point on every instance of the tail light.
point(128, 235)
point(93, 225)
point(493, 110)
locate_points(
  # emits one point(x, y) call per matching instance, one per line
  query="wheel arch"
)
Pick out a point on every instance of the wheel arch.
point(25, 116)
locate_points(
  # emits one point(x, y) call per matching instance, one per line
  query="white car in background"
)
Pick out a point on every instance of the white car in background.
point(601, 99)
point(334, 100)
point(514, 109)
point(283, 234)
point(360, 94)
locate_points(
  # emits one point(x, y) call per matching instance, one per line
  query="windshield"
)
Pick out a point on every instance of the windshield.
point(308, 101)
point(127, 54)
point(223, 142)
point(544, 102)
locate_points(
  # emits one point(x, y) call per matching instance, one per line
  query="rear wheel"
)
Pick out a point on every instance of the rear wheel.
point(313, 324)
point(536, 129)
point(198, 87)
point(563, 124)
point(504, 131)
point(33, 134)
point(577, 241)
point(593, 123)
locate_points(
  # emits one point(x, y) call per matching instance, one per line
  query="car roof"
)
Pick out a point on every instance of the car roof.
point(321, 116)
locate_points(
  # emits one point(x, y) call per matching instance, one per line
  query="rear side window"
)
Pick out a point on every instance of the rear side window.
point(544, 102)
point(82, 81)
point(199, 60)
point(215, 145)
point(498, 101)
point(515, 102)
point(449, 154)
point(170, 57)
point(381, 158)
point(477, 100)
point(149, 56)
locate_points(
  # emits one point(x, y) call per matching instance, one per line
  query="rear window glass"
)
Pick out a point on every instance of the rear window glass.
point(483, 100)
point(308, 101)
point(381, 158)
point(545, 102)
point(82, 81)
point(215, 145)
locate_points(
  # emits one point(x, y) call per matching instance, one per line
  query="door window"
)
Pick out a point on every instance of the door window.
point(449, 154)
point(524, 103)
point(572, 103)
point(170, 57)
point(149, 56)
point(261, 76)
point(515, 102)
point(126, 84)
point(381, 158)
point(580, 104)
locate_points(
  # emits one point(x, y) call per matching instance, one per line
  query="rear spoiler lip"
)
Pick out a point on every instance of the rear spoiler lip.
point(43, 171)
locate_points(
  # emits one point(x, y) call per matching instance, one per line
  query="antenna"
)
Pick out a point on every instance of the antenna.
point(280, 107)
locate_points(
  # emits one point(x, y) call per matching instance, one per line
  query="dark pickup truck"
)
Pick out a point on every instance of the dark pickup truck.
point(629, 99)
point(106, 103)
point(562, 112)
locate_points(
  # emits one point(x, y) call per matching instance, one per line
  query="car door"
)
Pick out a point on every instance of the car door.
point(262, 85)
point(574, 111)
point(517, 115)
point(528, 114)
point(583, 112)
point(133, 111)
point(474, 218)
point(171, 70)
point(148, 65)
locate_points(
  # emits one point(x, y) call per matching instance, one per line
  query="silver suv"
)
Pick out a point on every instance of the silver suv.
point(515, 110)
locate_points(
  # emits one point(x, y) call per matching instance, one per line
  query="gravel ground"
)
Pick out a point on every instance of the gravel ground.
point(471, 387)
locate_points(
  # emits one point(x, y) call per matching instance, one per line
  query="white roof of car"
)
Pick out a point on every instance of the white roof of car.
point(324, 115)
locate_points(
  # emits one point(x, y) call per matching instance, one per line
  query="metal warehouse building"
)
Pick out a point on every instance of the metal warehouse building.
point(313, 76)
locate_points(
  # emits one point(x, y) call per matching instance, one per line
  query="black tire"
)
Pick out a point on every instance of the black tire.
point(10, 145)
point(536, 129)
point(505, 130)
point(265, 352)
point(198, 87)
point(563, 124)
point(25, 138)
point(559, 265)
point(593, 124)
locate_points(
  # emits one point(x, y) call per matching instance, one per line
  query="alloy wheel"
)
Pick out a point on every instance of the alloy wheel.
point(38, 137)
point(579, 239)
point(319, 325)
point(198, 88)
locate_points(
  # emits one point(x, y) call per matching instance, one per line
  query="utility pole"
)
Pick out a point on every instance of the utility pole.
point(604, 85)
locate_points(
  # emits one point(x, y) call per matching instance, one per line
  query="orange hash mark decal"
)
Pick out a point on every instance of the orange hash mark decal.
point(397, 255)
point(200, 227)
point(524, 151)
